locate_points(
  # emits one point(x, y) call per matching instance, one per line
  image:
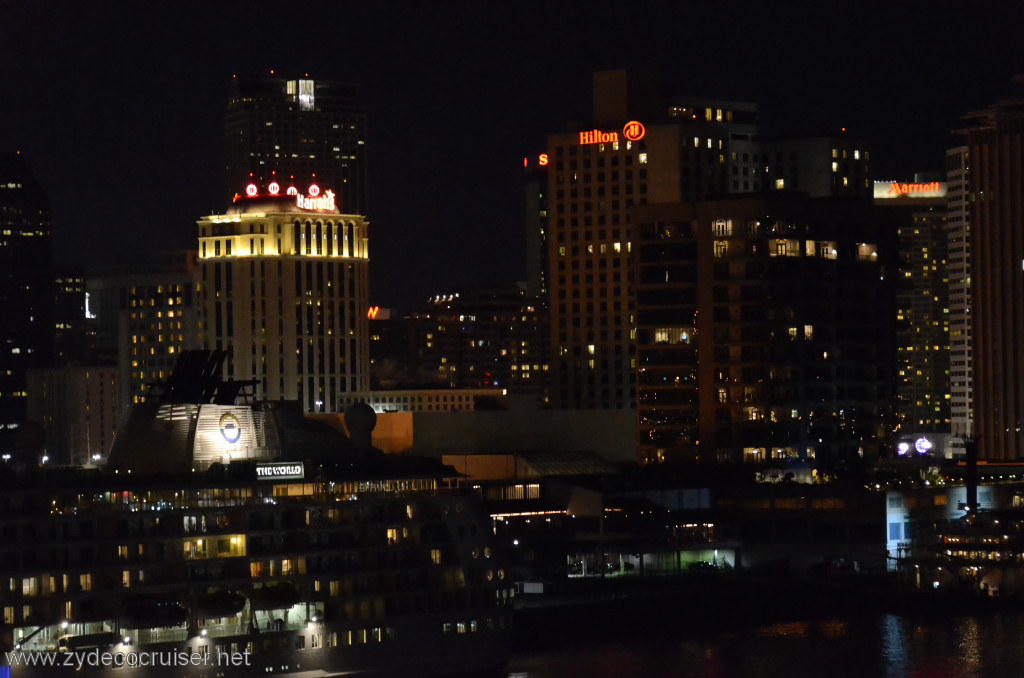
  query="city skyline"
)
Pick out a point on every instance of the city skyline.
point(120, 116)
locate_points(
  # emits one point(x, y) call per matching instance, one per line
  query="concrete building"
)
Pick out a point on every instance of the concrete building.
point(995, 147)
point(822, 166)
point(79, 408)
point(958, 229)
point(918, 209)
point(147, 314)
point(639, 148)
point(285, 291)
point(762, 330)
point(26, 290)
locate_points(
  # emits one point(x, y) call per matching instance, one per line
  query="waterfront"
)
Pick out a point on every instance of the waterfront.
point(860, 646)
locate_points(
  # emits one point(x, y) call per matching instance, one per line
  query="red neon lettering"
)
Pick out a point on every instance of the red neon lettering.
point(543, 159)
point(897, 189)
point(372, 312)
point(598, 137)
point(633, 131)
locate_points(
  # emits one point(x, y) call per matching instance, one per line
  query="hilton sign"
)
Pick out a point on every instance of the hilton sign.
point(631, 131)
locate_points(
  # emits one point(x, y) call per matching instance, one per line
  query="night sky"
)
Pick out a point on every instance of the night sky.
point(118, 106)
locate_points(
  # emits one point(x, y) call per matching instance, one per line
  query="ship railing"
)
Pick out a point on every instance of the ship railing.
point(180, 635)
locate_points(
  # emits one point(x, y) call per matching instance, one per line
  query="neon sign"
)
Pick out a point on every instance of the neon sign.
point(631, 131)
point(324, 202)
point(280, 471)
point(542, 160)
point(372, 312)
point(634, 131)
point(313, 200)
point(596, 136)
point(895, 189)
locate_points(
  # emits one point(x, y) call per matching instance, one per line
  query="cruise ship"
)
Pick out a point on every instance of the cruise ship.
point(249, 535)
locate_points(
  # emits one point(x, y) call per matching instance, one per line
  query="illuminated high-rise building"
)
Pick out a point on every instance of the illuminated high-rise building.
point(485, 337)
point(26, 289)
point(303, 131)
point(995, 146)
point(639, 148)
point(763, 330)
point(147, 314)
point(284, 290)
point(922, 290)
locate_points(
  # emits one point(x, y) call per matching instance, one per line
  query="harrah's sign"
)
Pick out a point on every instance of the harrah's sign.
point(321, 202)
point(631, 131)
point(313, 200)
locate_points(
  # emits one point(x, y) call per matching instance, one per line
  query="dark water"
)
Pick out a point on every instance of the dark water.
point(862, 647)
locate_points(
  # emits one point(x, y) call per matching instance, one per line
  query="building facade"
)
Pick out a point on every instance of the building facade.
point(760, 336)
point(995, 146)
point(918, 209)
point(297, 132)
point(26, 291)
point(147, 314)
point(285, 291)
point(486, 337)
point(79, 408)
point(640, 148)
point(958, 229)
point(644, 147)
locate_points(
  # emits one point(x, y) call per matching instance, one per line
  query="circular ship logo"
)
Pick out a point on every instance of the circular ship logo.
point(230, 428)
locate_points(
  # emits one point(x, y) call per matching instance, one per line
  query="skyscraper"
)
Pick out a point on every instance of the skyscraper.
point(26, 289)
point(640, 147)
point(918, 210)
point(958, 229)
point(147, 314)
point(761, 329)
point(285, 291)
point(300, 131)
point(995, 146)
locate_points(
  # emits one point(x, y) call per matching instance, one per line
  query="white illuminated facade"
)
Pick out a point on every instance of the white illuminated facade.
point(284, 289)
